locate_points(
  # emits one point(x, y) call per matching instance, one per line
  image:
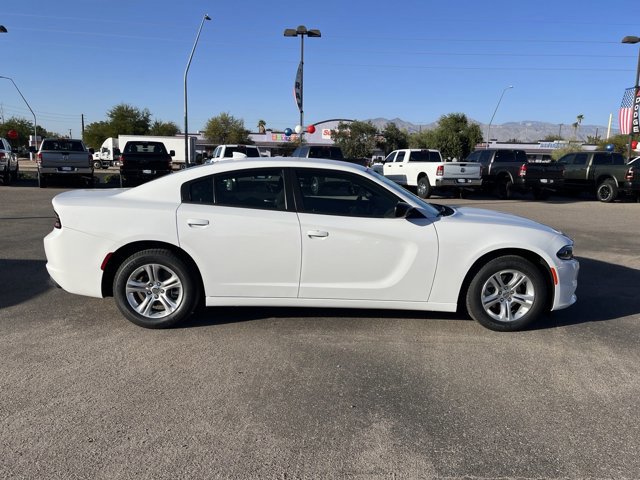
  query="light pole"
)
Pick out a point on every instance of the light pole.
point(494, 114)
point(35, 132)
point(632, 40)
point(186, 71)
point(301, 31)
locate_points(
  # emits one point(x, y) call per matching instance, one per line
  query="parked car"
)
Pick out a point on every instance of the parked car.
point(225, 152)
point(604, 173)
point(8, 162)
point(503, 173)
point(253, 233)
point(328, 152)
point(425, 171)
point(64, 157)
point(141, 161)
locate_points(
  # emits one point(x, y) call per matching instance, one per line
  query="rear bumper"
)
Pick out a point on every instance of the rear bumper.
point(458, 182)
point(527, 184)
point(144, 174)
point(65, 170)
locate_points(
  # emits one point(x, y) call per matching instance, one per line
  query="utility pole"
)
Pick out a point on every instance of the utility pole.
point(82, 121)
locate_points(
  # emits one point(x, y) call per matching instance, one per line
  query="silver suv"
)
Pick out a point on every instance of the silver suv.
point(8, 162)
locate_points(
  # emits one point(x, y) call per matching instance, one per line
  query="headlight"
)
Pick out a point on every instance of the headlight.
point(565, 253)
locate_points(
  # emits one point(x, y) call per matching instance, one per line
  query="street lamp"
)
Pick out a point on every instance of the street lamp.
point(494, 114)
point(632, 40)
point(301, 31)
point(35, 134)
point(186, 71)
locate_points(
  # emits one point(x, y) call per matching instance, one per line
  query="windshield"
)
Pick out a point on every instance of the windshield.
point(403, 191)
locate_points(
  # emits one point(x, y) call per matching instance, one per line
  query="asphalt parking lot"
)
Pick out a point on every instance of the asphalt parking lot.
point(301, 393)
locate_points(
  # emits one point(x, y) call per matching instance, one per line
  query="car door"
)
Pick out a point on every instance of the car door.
point(395, 170)
point(237, 228)
point(353, 247)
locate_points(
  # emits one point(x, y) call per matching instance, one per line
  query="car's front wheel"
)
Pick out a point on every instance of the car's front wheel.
point(155, 289)
point(507, 294)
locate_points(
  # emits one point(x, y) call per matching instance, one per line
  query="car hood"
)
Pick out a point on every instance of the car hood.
point(490, 217)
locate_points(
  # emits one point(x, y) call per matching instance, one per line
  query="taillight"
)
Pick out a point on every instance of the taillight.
point(630, 173)
point(121, 160)
point(523, 170)
point(440, 171)
point(39, 161)
point(57, 223)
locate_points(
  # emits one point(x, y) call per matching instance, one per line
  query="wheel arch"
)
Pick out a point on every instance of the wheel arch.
point(116, 258)
point(533, 257)
point(604, 177)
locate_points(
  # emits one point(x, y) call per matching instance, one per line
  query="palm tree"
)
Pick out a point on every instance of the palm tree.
point(576, 125)
point(262, 126)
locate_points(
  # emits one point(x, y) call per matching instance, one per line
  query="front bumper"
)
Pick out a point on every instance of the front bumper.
point(565, 291)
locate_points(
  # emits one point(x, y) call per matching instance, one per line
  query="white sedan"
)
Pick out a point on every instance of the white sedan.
point(302, 233)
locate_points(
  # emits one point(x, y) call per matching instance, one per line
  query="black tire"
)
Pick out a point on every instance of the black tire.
point(152, 270)
point(541, 194)
point(504, 188)
point(502, 309)
point(607, 191)
point(424, 187)
point(42, 183)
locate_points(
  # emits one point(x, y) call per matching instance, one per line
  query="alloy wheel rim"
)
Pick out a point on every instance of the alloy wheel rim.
point(154, 291)
point(507, 295)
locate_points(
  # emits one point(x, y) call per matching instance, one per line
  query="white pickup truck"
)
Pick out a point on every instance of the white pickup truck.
point(425, 170)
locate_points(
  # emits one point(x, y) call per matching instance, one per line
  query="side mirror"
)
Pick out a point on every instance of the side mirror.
point(116, 151)
point(92, 151)
point(404, 210)
point(172, 153)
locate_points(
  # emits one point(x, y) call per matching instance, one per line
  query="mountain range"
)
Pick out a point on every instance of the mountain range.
point(525, 131)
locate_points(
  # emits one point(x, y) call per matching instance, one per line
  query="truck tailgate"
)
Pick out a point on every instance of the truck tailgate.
point(462, 170)
point(65, 159)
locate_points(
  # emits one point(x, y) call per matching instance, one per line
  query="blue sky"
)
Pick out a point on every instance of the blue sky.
point(416, 60)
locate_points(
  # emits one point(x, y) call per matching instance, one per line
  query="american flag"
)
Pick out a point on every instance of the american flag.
point(625, 115)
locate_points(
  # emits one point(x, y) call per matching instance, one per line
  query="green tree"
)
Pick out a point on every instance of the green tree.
point(262, 126)
point(356, 139)
point(394, 138)
point(620, 144)
point(454, 136)
point(24, 128)
point(97, 132)
point(161, 128)
point(129, 120)
point(552, 138)
point(225, 128)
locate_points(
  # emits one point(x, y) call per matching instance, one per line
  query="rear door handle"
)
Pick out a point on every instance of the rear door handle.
point(197, 222)
point(317, 234)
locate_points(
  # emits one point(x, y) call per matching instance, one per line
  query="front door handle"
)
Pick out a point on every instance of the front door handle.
point(197, 222)
point(317, 234)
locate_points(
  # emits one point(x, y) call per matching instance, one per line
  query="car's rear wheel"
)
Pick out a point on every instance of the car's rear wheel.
point(155, 289)
point(424, 187)
point(507, 294)
point(607, 191)
point(504, 188)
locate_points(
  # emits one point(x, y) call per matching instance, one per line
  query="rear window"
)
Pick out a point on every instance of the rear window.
point(145, 147)
point(63, 145)
point(332, 153)
point(248, 151)
point(424, 156)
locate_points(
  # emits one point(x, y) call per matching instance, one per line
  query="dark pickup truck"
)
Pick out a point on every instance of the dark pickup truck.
point(506, 170)
point(604, 173)
point(141, 161)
